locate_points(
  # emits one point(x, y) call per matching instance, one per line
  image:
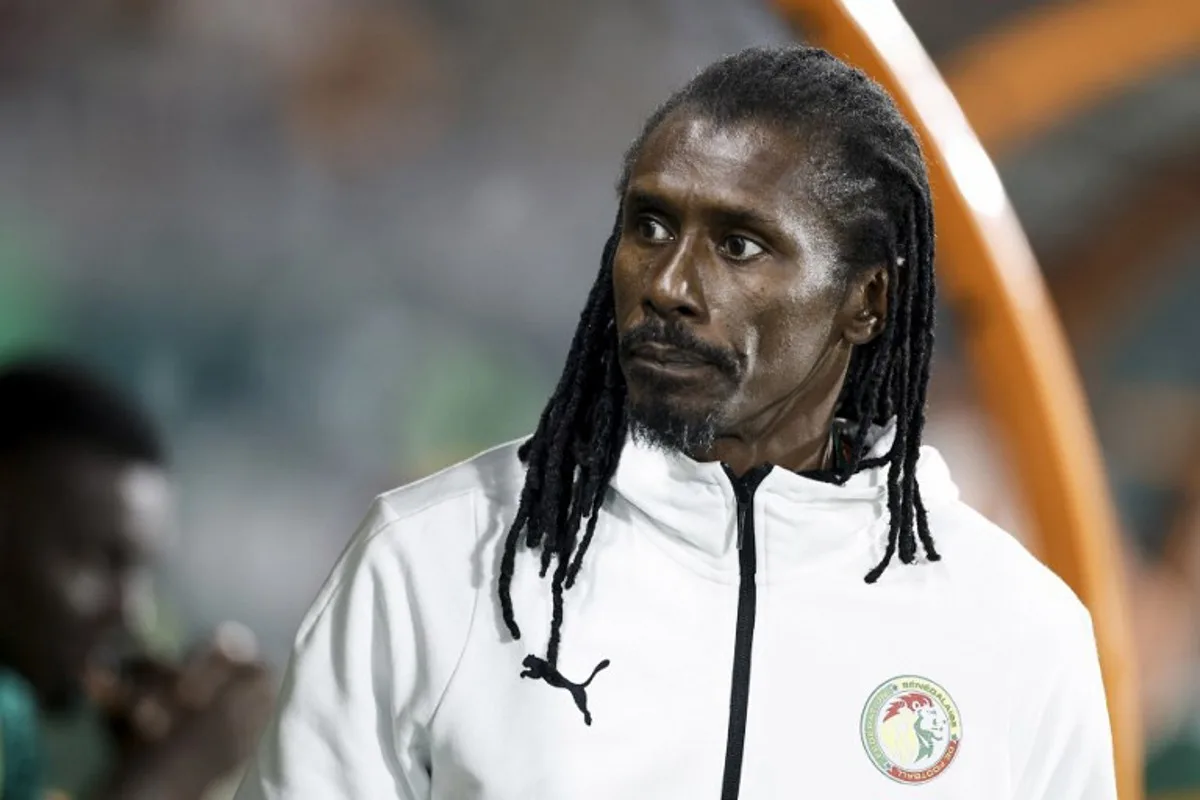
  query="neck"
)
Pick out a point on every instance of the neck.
point(801, 446)
point(793, 433)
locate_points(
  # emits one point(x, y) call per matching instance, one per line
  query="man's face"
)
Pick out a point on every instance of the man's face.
point(76, 529)
point(730, 305)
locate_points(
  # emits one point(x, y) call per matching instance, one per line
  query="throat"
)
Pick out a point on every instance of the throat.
point(813, 453)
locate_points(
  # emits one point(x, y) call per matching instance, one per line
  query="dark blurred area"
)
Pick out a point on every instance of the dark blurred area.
point(333, 246)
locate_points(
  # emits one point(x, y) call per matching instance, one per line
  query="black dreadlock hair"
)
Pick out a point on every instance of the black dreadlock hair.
point(871, 187)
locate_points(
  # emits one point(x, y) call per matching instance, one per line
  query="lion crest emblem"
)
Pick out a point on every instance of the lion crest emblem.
point(911, 729)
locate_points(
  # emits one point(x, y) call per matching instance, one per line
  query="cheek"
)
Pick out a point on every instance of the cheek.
point(789, 334)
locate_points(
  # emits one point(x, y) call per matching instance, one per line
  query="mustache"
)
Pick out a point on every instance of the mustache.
point(678, 337)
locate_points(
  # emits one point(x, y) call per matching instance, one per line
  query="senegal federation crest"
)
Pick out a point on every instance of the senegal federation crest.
point(911, 729)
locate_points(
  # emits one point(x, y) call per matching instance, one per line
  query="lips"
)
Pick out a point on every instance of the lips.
point(667, 355)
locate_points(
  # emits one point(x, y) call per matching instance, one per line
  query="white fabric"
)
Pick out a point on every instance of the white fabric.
point(404, 683)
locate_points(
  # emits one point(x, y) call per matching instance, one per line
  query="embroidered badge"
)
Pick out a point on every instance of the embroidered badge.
point(911, 729)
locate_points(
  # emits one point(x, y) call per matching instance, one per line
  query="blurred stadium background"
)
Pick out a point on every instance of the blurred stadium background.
point(336, 244)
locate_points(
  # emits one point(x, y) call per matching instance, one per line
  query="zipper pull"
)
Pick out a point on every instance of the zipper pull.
point(744, 487)
point(741, 522)
point(739, 496)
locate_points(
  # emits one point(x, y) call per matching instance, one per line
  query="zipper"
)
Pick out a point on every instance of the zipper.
point(739, 696)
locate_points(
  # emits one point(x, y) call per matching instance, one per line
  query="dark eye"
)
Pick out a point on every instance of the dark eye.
point(652, 230)
point(739, 248)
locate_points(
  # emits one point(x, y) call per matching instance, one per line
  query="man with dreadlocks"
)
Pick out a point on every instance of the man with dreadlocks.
point(685, 583)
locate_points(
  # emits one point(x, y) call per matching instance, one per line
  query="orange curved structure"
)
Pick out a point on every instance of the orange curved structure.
point(1018, 353)
point(1052, 61)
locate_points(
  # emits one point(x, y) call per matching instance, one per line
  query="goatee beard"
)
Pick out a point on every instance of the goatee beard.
point(658, 426)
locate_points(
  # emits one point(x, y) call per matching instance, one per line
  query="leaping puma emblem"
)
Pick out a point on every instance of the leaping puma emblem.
point(538, 669)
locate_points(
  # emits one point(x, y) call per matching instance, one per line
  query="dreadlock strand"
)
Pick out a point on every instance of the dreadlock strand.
point(866, 409)
point(900, 473)
point(562, 460)
point(507, 564)
point(600, 473)
point(913, 396)
point(927, 342)
point(534, 457)
point(922, 247)
point(561, 512)
point(551, 457)
point(926, 537)
point(556, 619)
point(893, 510)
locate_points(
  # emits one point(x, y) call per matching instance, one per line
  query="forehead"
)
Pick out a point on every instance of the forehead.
point(747, 161)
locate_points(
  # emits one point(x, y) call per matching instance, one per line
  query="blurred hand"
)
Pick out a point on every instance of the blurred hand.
point(178, 729)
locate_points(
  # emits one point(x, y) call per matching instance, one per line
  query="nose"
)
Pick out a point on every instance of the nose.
point(676, 289)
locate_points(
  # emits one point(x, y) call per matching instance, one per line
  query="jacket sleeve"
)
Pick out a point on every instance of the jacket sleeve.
point(365, 677)
point(1063, 739)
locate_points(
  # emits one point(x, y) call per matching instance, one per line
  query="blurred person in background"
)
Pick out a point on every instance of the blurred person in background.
point(85, 504)
point(781, 588)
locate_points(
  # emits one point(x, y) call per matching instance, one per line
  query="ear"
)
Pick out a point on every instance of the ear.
point(865, 309)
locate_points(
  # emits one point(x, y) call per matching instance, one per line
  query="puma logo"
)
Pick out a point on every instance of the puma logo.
point(538, 669)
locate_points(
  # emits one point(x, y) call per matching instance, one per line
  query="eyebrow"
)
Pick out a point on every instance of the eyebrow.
point(748, 218)
point(730, 216)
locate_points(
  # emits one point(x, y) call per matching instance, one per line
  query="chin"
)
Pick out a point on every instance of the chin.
point(664, 425)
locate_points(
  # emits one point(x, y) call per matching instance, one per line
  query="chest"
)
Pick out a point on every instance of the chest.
point(836, 694)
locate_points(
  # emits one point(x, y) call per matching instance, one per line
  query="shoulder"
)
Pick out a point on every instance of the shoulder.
point(425, 538)
point(493, 477)
point(988, 573)
point(447, 507)
point(991, 572)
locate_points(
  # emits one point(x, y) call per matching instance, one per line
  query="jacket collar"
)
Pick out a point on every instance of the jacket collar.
point(800, 521)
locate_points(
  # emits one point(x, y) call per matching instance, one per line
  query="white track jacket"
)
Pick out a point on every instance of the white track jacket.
point(722, 642)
